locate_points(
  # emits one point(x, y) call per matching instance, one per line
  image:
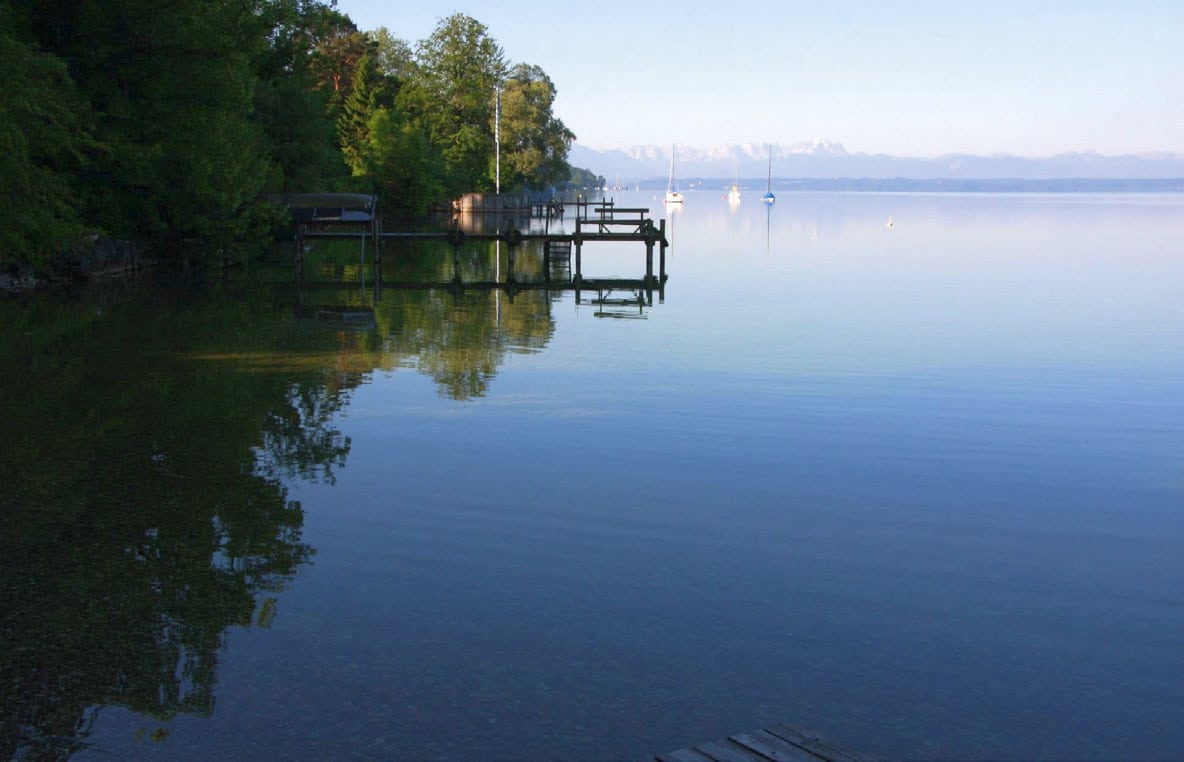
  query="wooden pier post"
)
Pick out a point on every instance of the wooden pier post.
point(662, 251)
point(376, 231)
point(299, 269)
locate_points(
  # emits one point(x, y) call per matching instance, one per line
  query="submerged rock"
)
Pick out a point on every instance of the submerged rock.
point(17, 278)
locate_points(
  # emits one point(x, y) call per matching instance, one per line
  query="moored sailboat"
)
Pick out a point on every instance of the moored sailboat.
point(734, 193)
point(672, 195)
point(769, 198)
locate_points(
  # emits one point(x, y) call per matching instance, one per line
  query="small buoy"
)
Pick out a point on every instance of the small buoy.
point(889, 225)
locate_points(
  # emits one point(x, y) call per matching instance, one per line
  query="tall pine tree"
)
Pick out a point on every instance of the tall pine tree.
point(353, 126)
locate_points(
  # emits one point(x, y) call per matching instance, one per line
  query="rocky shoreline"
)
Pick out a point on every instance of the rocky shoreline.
point(100, 257)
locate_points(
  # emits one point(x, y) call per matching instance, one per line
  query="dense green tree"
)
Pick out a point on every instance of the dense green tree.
point(584, 179)
point(460, 68)
point(300, 136)
point(353, 124)
point(290, 108)
point(401, 163)
point(170, 86)
point(166, 122)
point(41, 139)
point(393, 58)
point(534, 141)
point(337, 48)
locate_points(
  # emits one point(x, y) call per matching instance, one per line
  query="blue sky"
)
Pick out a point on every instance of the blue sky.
point(911, 78)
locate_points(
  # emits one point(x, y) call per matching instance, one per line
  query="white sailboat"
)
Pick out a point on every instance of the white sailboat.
point(672, 196)
point(769, 198)
point(734, 193)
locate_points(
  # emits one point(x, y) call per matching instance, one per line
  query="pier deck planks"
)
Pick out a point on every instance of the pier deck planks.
point(781, 743)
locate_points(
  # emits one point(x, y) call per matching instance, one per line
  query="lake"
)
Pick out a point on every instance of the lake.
point(918, 486)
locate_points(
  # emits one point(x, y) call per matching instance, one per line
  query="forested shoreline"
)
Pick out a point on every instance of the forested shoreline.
point(165, 124)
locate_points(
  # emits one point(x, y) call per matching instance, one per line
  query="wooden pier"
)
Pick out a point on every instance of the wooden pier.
point(781, 743)
point(354, 216)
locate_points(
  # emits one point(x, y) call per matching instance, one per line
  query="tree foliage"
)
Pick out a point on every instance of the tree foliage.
point(170, 85)
point(166, 122)
point(338, 49)
point(291, 109)
point(460, 67)
point(40, 142)
point(393, 57)
point(583, 179)
point(353, 128)
point(534, 141)
point(402, 162)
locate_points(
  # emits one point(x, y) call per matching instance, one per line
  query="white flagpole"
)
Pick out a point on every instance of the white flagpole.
point(497, 140)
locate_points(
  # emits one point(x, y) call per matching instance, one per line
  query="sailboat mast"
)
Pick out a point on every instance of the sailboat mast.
point(769, 198)
point(672, 196)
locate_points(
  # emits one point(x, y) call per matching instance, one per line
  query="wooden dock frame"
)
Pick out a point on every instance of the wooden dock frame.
point(341, 215)
point(605, 223)
point(334, 215)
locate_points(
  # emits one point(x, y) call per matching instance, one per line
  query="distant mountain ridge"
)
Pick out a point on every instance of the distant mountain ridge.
point(828, 159)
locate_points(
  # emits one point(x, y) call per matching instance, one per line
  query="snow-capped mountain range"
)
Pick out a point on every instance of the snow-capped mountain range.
point(827, 159)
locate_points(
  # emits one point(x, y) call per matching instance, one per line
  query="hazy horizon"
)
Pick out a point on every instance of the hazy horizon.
point(829, 161)
point(761, 148)
point(1024, 80)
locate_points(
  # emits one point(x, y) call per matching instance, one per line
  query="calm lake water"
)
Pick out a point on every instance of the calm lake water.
point(919, 487)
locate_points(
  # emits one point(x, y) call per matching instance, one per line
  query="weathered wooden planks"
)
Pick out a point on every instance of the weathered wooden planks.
point(683, 755)
point(814, 743)
point(772, 747)
point(781, 743)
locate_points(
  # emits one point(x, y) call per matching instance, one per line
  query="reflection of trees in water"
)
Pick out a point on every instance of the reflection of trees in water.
point(458, 344)
point(299, 441)
point(142, 512)
point(458, 333)
point(460, 338)
point(462, 341)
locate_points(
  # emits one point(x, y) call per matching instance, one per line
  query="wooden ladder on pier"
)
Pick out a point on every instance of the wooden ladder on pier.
point(557, 254)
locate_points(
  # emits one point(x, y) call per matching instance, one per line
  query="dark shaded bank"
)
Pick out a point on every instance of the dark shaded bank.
point(99, 257)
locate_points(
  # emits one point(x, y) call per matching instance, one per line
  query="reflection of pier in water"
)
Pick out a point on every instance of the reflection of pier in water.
point(337, 317)
point(562, 261)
